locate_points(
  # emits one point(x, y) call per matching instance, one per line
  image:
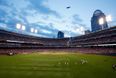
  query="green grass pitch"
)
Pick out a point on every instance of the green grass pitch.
point(57, 65)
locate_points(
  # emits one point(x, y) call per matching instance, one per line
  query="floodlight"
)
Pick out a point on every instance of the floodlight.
point(23, 27)
point(18, 26)
point(108, 18)
point(36, 30)
point(32, 30)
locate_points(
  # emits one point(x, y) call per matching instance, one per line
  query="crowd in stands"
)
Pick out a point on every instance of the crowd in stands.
point(101, 37)
point(15, 40)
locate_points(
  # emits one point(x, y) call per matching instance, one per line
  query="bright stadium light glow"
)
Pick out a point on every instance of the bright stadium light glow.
point(23, 27)
point(101, 21)
point(109, 18)
point(32, 30)
point(18, 26)
point(36, 30)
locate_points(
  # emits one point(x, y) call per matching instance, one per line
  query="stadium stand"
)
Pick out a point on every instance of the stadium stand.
point(103, 41)
point(105, 37)
point(11, 39)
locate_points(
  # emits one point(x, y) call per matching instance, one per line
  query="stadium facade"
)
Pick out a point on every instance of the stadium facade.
point(95, 26)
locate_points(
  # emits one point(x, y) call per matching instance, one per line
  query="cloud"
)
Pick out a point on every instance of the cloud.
point(19, 15)
point(4, 2)
point(2, 15)
point(45, 30)
point(39, 6)
point(37, 14)
point(76, 19)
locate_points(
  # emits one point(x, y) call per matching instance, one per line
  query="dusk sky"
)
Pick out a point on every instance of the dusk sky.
point(51, 16)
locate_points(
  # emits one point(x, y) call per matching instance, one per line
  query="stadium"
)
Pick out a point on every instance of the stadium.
point(101, 42)
point(89, 55)
point(59, 58)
